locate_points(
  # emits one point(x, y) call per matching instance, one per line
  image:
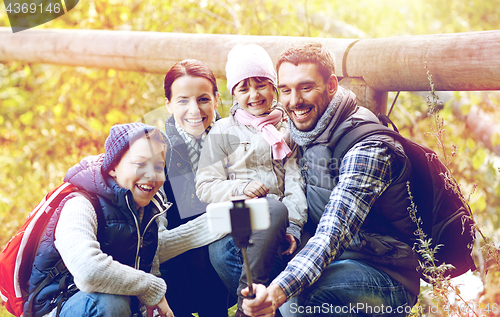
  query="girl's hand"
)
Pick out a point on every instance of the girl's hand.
point(256, 189)
point(162, 308)
point(292, 244)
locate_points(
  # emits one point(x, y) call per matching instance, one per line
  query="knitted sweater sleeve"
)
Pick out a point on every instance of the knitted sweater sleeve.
point(93, 270)
point(193, 234)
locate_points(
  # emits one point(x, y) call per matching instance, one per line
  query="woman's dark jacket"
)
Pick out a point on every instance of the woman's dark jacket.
point(180, 181)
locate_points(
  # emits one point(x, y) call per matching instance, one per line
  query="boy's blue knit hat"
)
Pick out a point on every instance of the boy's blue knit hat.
point(121, 136)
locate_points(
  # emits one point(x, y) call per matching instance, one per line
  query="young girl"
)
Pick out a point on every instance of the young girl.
point(99, 241)
point(247, 154)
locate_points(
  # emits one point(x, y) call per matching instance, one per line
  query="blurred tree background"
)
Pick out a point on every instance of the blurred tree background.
point(53, 116)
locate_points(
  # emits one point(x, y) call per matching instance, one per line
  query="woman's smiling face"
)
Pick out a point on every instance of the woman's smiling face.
point(192, 104)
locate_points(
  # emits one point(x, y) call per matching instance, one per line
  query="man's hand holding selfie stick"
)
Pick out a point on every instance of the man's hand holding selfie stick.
point(266, 301)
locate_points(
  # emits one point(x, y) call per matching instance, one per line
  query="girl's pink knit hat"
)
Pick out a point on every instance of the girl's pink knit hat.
point(245, 61)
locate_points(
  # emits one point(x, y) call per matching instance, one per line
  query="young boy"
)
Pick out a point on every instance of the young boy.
point(108, 250)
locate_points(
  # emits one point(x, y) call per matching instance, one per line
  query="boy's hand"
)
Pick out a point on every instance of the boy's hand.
point(292, 244)
point(162, 308)
point(256, 189)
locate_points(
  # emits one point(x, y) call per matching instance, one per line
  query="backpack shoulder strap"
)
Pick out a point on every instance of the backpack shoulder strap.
point(93, 200)
point(359, 133)
point(95, 203)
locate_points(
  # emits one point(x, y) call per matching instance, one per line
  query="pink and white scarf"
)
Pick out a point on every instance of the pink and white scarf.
point(266, 124)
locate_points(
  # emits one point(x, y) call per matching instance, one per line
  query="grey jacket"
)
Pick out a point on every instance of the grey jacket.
point(235, 154)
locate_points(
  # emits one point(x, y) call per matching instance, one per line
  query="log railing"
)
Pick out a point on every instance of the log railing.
point(458, 61)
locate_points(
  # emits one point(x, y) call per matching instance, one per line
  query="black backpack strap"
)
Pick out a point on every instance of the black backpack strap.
point(93, 200)
point(348, 140)
point(57, 270)
point(356, 135)
point(64, 294)
point(386, 121)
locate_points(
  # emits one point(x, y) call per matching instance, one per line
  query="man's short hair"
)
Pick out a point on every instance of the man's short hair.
point(309, 52)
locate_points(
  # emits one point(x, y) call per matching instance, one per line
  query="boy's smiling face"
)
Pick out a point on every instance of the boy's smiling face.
point(141, 169)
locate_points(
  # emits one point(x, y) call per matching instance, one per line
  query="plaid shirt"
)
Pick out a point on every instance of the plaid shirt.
point(366, 171)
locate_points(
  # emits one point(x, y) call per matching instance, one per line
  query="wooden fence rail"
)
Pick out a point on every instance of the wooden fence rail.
point(458, 61)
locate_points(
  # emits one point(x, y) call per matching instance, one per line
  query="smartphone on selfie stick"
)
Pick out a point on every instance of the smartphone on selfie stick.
point(239, 217)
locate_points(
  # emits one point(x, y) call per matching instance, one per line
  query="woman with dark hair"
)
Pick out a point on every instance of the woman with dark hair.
point(191, 97)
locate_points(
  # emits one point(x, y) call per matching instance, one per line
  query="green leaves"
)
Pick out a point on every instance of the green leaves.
point(478, 158)
point(495, 139)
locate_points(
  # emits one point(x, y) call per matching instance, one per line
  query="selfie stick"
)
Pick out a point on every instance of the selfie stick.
point(241, 230)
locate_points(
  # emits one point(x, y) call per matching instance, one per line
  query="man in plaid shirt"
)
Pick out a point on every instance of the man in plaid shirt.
point(359, 260)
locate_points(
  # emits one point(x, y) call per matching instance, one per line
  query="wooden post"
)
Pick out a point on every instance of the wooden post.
point(367, 97)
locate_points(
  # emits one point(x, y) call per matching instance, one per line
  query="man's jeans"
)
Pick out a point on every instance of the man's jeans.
point(264, 263)
point(96, 305)
point(351, 288)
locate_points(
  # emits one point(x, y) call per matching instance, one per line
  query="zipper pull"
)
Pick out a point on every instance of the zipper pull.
point(138, 260)
point(245, 143)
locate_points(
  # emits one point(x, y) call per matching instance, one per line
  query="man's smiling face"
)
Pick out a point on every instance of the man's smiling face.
point(304, 93)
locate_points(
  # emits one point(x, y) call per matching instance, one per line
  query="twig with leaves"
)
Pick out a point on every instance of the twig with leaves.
point(436, 275)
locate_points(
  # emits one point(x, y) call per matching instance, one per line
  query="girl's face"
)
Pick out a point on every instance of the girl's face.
point(141, 170)
point(192, 103)
point(254, 97)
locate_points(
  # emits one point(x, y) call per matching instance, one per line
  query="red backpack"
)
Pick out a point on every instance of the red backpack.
point(16, 260)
